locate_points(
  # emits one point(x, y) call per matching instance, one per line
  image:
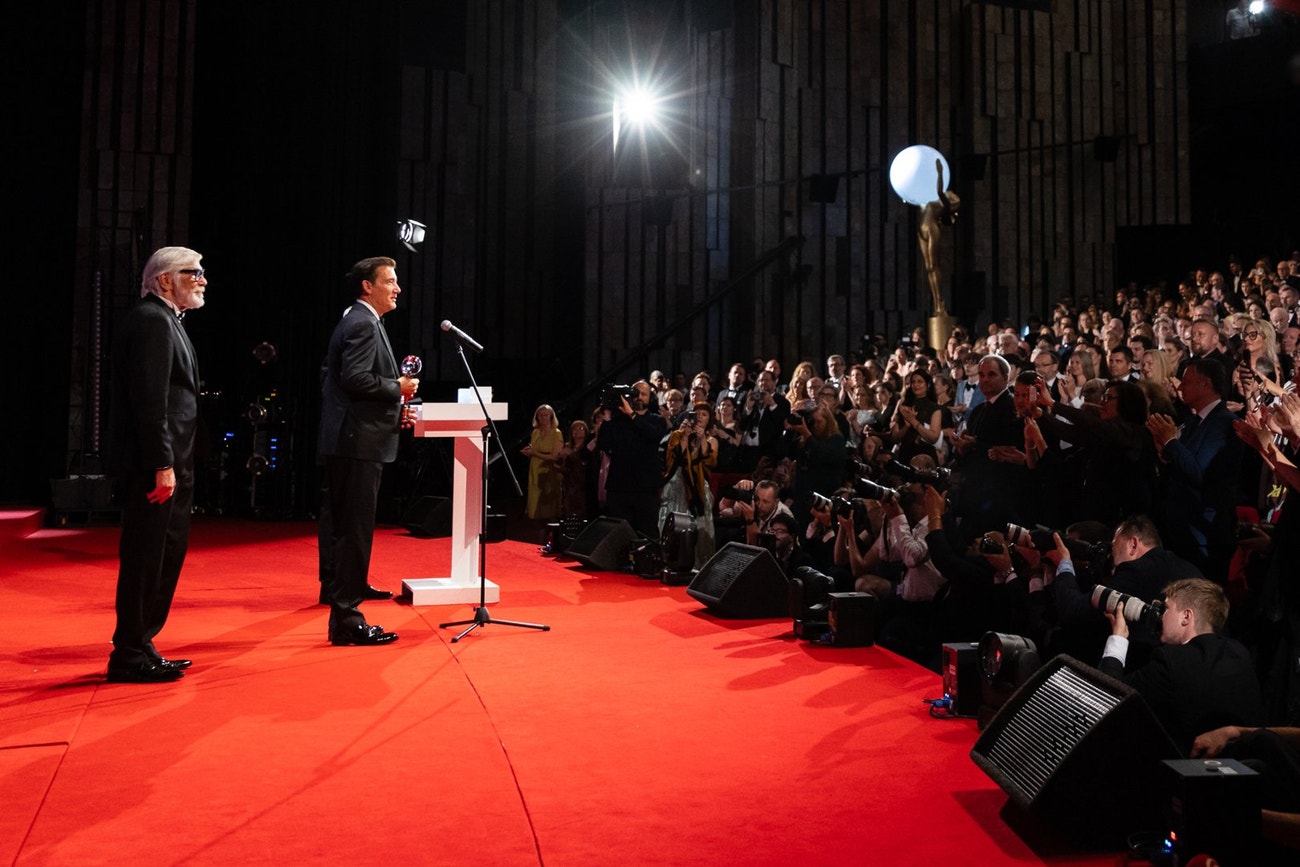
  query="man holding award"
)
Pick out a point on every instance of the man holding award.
point(362, 399)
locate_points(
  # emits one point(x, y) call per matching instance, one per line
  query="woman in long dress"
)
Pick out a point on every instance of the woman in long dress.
point(690, 455)
point(544, 488)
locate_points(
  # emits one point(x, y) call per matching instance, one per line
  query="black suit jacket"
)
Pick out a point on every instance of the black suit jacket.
point(1200, 473)
point(1196, 687)
point(155, 394)
point(361, 399)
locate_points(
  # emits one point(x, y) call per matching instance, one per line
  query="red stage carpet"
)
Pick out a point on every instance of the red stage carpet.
point(639, 730)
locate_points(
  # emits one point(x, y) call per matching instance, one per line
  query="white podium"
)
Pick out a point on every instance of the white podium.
point(464, 422)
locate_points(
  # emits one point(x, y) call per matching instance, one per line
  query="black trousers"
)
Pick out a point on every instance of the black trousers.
point(151, 552)
point(353, 496)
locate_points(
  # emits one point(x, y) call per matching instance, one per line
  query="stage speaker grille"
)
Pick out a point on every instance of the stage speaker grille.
point(742, 581)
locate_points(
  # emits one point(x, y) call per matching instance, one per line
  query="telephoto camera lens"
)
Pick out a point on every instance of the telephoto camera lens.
point(1134, 609)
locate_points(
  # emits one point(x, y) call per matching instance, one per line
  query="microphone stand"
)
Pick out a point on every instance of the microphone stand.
point(481, 616)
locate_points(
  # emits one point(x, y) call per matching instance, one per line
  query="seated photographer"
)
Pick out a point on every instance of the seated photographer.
point(785, 544)
point(1196, 680)
point(757, 512)
point(1274, 753)
point(1141, 569)
point(987, 586)
point(822, 531)
point(905, 622)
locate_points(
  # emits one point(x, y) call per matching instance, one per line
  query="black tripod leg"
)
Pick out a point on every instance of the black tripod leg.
point(524, 625)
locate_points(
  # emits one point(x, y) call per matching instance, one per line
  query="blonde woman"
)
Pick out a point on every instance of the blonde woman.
point(542, 451)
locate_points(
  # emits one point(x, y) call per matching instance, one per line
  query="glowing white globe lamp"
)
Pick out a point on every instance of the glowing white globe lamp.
point(912, 175)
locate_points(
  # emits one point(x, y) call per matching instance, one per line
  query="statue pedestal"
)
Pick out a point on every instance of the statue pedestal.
point(939, 329)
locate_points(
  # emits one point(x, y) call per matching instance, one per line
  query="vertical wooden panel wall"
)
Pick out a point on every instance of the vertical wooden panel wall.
point(134, 176)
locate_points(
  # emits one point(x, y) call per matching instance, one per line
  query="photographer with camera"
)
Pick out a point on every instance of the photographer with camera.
point(755, 504)
point(690, 455)
point(904, 611)
point(988, 585)
point(631, 439)
point(763, 424)
point(1141, 568)
point(1196, 680)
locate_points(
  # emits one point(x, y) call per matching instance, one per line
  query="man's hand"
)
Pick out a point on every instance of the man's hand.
point(164, 485)
point(1061, 552)
point(1211, 744)
point(1162, 428)
point(409, 417)
point(1118, 625)
point(409, 386)
point(935, 505)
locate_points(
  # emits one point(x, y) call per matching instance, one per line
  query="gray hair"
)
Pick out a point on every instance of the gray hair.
point(164, 260)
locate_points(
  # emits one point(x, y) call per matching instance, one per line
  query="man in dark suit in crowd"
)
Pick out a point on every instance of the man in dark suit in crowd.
point(992, 463)
point(1196, 680)
point(1199, 470)
point(153, 417)
point(763, 427)
point(631, 439)
point(361, 412)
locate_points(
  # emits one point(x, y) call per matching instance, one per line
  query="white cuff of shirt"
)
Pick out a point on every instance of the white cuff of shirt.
point(1116, 646)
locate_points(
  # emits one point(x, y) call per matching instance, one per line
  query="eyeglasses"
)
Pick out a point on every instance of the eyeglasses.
point(1108, 397)
point(196, 273)
point(1250, 335)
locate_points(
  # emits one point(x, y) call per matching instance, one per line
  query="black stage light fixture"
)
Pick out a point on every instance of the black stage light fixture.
point(1006, 661)
point(411, 234)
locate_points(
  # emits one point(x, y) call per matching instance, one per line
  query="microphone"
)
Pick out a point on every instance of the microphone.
point(465, 339)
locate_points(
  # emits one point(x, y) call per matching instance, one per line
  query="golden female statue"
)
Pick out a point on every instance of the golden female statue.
point(941, 212)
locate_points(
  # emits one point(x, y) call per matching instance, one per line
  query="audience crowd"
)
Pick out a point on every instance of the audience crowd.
point(1145, 441)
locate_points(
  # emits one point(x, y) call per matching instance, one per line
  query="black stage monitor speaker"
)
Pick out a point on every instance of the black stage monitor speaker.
point(603, 544)
point(429, 516)
point(742, 581)
point(1078, 749)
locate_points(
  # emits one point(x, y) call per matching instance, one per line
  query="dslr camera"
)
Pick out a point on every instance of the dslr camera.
point(869, 490)
point(1092, 560)
point(839, 506)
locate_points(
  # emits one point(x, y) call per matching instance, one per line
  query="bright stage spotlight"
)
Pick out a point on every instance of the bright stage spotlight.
point(1256, 7)
point(636, 108)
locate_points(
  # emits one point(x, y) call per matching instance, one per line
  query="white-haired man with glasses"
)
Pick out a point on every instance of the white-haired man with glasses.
point(152, 420)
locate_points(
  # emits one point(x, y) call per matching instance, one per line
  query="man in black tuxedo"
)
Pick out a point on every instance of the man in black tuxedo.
point(1196, 680)
point(153, 417)
point(992, 464)
point(763, 426)
point(1199, 463)
point(361, 413)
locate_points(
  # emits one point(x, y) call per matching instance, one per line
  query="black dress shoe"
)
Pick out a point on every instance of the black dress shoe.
point(376, 593)
point(174, 664)
point(144, 672)
point(362, 634)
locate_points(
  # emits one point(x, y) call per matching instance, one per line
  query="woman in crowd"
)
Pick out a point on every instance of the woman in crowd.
point(690, 456)
point(797, 389)
point(727, 433)
point(1118, 469)
point(1078, 370)
point(863, 414)
point(1155, 383)
point(887, 400)
point(945, 392)
point(544, 488)
point(918, 422)
point(671, 409)
point(573, 460)
point(820, 457)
